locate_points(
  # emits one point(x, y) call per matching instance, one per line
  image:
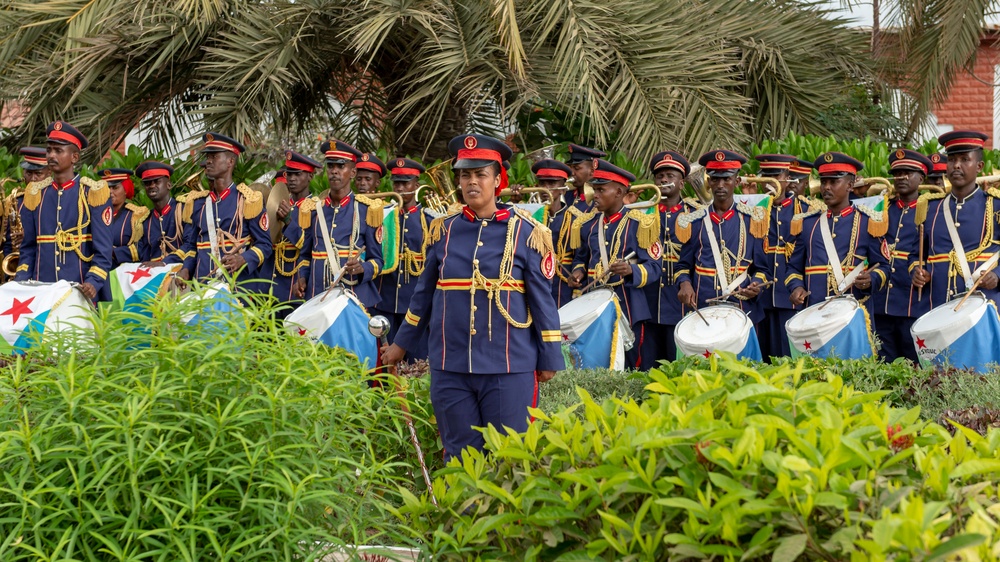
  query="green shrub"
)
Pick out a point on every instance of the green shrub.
point(720, 461)
point(167, 442)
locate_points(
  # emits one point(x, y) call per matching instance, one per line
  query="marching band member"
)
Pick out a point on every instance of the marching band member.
point(126, 224)
point(606, 237)
point(831, 239)
point(241, 223)
point(778, 309)
point(552, 175)
point(895, 300)
point(354, 224)
point(959, 227)
point(396, 288)
point(940, 165)
point(279, 176)
point(66, 222)
point(369, 173)
point(163, 235)
point(723, 251)
point(798, 178)
point(286, 262)
point(494, 265)
point(35, 167)
point(583, 162)
point(669, 169)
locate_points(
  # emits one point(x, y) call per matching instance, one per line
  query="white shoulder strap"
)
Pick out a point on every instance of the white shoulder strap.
point(332, 256)
point(956, 242)
point(831, 250)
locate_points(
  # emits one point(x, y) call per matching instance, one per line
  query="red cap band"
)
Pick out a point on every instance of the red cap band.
point(800, 170)
point(405, 172)
point(908, 163)
point(827, 168)
point(551, 173)
point(280, 178)
point(479, 154)
point(979, 143)
point(299, 166)
point(775, 165)
point(611, 176)
point(340, 155)
point(669, 164)
point(370, 166)
point(724, 165)
point(64, 136)
point(223, 145)
point(36, 161)
point(941, 167)
point(155, 173)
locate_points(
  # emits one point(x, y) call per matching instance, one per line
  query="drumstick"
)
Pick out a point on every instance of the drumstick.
point(764, 285)
point(607, 273)
point(920, 244)
point(975, 285)
point(340, 277)
point(702, 316)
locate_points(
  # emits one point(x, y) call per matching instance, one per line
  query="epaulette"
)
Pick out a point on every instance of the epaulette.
point(692, 202)
point(799, 201)
point(139, 215)
point(306, 209)
point(760, 217)
point(540, 238)
point(436, 229)
point(374, 216)
point(649, 227)
point(98, 191)
point(878, 221)
point(253, 201)
point(922, 201)
point(579, 219)
point(33, 193)
point(814, 209)
point(188, 201)
point(685, 220)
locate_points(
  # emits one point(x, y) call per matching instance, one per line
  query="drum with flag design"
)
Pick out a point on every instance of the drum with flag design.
point(837, 327)
point(135, 287)
point(596, 333)
point(967, 338)
point(209, 305)
point(721, 327)
point(30, 310)
point(336, 318)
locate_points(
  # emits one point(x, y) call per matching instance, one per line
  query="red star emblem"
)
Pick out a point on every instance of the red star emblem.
point(139, 274)
point(808, 345)
point(18, 309)
point(302, 331)
point(707, 354)
point(921, 344)
point(565, 337)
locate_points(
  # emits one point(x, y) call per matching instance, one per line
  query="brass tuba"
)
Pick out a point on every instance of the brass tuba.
point(11, 222)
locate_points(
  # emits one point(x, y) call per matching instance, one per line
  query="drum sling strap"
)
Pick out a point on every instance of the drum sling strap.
point(213, 236)
point(956, 243)
point(332, 259)
point(602, 246)
point(720, 271)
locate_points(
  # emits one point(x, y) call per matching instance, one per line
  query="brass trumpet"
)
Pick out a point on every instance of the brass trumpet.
point(774, 185)
point(875, 185)
point(12, 223)
point(387, 195)
point(645, 204)
point(541, 192)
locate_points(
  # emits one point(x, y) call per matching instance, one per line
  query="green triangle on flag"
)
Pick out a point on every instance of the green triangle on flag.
point(390, 238)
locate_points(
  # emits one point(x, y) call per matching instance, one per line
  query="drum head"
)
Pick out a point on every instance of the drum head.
point(583, 306)
point(726, 330)
point(829, 315)
point(945, 318)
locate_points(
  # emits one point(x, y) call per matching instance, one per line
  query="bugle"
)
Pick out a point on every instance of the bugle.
point(387, 195)
point(874, 185)
point(541, 192)
point(642, 188)
point(774, 186)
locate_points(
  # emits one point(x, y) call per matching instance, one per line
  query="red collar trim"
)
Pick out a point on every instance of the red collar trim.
point(343, 202)
point(719, 219)
point(64, 186)
point(295, 203)
point(613, 218)
point(675, 209)
point(787, 201)
point(163, 213)
point(500, 215)
point(847, 211)
point(220, 197)
point(903, 205)
point(411, 209)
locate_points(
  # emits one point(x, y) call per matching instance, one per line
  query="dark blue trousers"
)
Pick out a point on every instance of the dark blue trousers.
point(772, 335)
point(894, 333)
point(464, 401)
point(657, 345)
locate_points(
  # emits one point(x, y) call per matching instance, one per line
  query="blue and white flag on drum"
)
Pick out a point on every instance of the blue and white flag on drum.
point(967, 338)
point(595, 330)
point(335, 318)
point(30, 310)
point(836, 327)
point(135, 287)
point(211, 306)
point(720, 327)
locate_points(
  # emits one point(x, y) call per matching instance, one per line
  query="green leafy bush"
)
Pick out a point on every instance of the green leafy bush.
point(168, 442)
point(720, 461)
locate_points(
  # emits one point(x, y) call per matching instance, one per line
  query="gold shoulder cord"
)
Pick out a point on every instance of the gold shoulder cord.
point(72, 240)
point(412, 266)
point(479, 281)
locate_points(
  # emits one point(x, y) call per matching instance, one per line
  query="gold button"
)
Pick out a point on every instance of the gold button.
point(779, 223)
point(957, 224)
point(59, 207)
point(474, 308)
point(661, 284)
point(484, 223)
point(473, 332)
point(959, 206)
point(890, 285)
point(480, 243)
point(834, 235)
point(475, 261)
point(334, 225)
point(894, 270)
point(405, 230)
point(398, 285)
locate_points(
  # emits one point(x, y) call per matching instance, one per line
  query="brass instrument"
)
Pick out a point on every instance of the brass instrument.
point(639, 189)
point(987, 181)
point(875, 185)
point(11, 222)
point(387, 195)
point(774, 185)
point(441, 179)
point(541, 192)
point(698, 180)
point(432, 201)
point(193, 182)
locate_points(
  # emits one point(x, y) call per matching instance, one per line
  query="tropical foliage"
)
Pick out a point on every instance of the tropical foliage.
point(407, 75)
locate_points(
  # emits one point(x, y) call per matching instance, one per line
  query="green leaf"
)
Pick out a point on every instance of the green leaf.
point(789, 549)
point(954, 545)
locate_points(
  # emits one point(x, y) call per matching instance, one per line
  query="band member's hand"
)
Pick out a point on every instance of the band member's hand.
point(920, 277)
point(622, 268)
point(544, 376)
point(232, 262)
point(751, 290)
point(392, 354)
point(89, 290)
point(353, 267)
point(576, 279)
point(283, 209)
point(300, 288)
point(989, 281)
point(184, 274)
point(686, 295)
point(863, 281)
point(149, 264)
point(515, 193)
point(798, 296)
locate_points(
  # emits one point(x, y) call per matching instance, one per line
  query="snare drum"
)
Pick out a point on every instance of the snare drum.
point(967, 338)
point(336, 318)
point(31, 310)
point(209, 306)
point(836, 327)
point(135, 287)
point(595, 330)
point(721, 327)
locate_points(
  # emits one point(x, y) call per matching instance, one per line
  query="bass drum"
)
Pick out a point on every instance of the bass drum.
point(336, 318)
point(967, 338)
point(596, 333)
point(836, 327)
point(720, 327)
point(31, 311)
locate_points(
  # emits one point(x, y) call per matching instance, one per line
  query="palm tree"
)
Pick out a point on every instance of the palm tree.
point(409, 74)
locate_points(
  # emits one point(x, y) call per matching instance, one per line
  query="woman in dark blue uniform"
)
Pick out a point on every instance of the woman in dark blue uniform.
point(485, 295)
